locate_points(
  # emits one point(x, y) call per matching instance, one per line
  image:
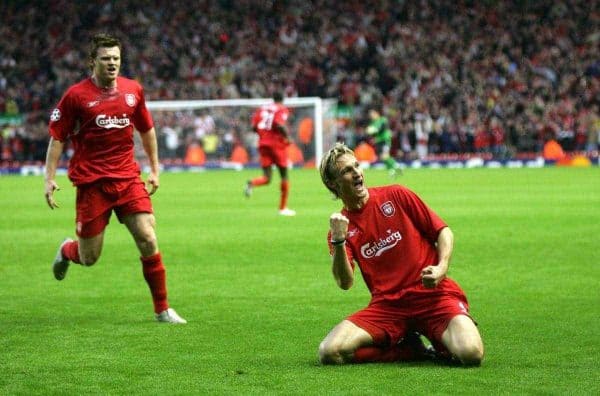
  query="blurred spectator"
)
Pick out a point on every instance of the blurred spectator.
point(204, 124)
point(171, 142)
point(210, 144)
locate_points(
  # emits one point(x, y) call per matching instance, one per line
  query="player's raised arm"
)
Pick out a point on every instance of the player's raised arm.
point(55, 149)
point(341, 268)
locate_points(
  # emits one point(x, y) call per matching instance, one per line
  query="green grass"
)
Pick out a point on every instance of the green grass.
point(259, 297)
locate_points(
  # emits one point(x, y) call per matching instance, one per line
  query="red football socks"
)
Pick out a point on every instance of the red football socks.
point(154, 273)
point(285, 189)
point(259, 181)
point(70, 251)
point(375, 354)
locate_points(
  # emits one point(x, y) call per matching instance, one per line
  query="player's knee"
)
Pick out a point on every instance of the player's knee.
point(146, 238)
point(470, 355)
point(147, 245)
point(330, 353)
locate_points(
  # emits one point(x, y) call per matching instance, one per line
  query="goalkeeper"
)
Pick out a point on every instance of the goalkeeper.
point(380, 130)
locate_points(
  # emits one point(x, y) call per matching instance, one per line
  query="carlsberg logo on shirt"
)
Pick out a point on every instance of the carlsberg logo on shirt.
point(375, 249)
point(104, 121)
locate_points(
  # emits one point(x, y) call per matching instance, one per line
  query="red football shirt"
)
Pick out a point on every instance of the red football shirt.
point(265, 121)
point(392, 238)
point(100, 125)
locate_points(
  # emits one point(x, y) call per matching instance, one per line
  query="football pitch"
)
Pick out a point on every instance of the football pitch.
point(257, 290)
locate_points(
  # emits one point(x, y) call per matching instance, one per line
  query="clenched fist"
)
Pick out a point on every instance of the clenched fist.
point(432, 275)
point(338, 223)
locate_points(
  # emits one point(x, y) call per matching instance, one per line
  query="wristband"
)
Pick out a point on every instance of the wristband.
point(337, 243)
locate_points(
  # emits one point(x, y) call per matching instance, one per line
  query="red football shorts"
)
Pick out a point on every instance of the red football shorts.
point(270, 155)
point(427, 311)
point(96, 201)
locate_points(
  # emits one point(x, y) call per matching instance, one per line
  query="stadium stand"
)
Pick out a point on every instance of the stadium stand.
point(496, 77)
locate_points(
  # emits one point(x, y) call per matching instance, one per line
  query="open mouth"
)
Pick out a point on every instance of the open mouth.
point(358, 183)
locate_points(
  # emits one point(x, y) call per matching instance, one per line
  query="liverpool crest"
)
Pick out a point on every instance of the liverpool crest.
point(387, 208)
point(130, 100)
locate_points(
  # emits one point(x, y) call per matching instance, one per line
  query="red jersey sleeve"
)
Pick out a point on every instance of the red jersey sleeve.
point(63, 120)
point(424, 219)
point(142, 119)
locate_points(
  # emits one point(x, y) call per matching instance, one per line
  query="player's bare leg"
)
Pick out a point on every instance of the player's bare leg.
point(343, 340)
point(141, 226)
point(285, 190)
point(463, 340)
point(90, 249)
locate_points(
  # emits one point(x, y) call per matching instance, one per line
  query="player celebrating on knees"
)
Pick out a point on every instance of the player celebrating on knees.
point(403, 250)
point(98, 116)
point(269, 121)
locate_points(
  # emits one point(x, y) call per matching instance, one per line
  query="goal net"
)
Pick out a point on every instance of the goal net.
point(217, 133)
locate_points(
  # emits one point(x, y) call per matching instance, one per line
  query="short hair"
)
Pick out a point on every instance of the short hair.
point(278, 97)
point(328, 168)
point(102, 40)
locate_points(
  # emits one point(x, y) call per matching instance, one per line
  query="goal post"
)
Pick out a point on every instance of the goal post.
point(218, 125)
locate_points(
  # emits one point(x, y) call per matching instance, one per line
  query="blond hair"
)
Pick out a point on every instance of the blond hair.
point(328, 168)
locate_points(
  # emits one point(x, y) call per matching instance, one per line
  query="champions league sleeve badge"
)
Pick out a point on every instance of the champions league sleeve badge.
point(55, 116)
point(388, 209)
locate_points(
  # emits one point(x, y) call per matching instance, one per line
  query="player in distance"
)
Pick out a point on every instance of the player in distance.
point(98, 116)
point(270, 122)
point(403, 250)
point(379, 130)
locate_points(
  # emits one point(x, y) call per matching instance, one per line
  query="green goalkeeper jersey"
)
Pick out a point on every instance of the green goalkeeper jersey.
point(380, 130)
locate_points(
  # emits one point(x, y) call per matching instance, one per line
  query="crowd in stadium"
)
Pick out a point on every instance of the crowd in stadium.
point(500, 77)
